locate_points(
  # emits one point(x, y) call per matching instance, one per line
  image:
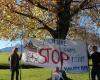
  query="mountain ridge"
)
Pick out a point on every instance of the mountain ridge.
point(9, 49)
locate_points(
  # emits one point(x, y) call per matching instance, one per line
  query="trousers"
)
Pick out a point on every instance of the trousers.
point(95, 72)
point(13, 73)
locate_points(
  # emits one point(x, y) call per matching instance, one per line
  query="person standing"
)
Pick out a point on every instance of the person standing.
point(14, 63)
point(95, 64)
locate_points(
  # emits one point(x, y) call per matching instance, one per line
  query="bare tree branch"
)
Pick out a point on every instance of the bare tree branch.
point(82, 5)
point(68, 2)
point(45, 26)
point(32, 17)
point(37, 4)
point(90, 7)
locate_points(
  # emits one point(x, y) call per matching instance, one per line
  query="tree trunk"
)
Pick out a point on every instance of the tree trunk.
point(63, 22)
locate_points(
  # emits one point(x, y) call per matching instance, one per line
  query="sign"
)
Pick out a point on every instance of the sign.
point(51, 52)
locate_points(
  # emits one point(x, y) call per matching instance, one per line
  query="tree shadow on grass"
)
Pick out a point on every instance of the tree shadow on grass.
point(6, 66)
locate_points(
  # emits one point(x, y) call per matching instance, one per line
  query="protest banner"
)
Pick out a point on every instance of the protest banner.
point(51, 52)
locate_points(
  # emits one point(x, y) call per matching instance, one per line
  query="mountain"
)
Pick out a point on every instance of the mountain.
point(9, 49)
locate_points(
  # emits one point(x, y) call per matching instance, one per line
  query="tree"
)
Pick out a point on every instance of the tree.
point(53, 17)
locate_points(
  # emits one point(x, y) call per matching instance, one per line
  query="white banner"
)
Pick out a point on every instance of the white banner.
point(50, 53)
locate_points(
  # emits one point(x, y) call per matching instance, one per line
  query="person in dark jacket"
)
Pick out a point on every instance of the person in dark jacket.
point(14, 63)
point(95, 64)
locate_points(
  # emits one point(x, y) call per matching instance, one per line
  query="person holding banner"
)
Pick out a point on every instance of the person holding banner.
point(96, 64)
point(14, 63)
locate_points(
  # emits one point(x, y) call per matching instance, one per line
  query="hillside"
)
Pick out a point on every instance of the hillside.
point(9, 49)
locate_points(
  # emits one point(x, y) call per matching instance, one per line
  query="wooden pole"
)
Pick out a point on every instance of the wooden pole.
point(87, 55)
point(21, 53)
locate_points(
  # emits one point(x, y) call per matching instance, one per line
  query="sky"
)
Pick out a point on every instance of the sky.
point(84, 20)
point(8, 43)
point(18, 1)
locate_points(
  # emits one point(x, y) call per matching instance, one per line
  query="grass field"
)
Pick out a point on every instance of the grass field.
point(39, 74)
point(27, 74)
point(4, 58)
point(34, 73)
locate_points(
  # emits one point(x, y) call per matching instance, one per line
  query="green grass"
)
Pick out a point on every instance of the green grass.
point(4, 58)
point(39, 74)
point(28, 74)
point(34, 73)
